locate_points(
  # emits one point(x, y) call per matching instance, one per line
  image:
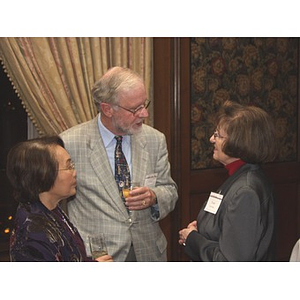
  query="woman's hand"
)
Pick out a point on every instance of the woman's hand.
point(183, 233)
point(104, 258)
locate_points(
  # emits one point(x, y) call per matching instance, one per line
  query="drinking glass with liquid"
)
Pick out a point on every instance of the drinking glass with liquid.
point(97, 245)
point(126, 190)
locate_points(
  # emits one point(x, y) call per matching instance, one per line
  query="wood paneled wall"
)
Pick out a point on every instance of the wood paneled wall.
point(172, 116)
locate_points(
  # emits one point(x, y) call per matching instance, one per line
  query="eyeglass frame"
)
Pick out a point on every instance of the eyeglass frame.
point(217, 135)
point(71, 167)
point(139, 108)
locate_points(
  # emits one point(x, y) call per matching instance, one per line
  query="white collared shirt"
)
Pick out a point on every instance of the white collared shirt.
point(110, 144)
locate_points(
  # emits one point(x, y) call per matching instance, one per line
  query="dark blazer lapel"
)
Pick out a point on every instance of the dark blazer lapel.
point(231, 179)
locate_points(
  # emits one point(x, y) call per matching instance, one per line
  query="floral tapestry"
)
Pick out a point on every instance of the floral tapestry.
point(256, 71)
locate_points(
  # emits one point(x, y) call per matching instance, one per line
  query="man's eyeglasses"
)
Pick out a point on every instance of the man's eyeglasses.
point(70, 167)
point(137, 110)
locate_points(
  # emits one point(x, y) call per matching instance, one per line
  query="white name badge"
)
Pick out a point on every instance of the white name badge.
point(150, 180)
point(213, 203)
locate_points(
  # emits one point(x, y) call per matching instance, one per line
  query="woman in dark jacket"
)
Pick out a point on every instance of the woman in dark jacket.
point(42, 174)
point(236, 223)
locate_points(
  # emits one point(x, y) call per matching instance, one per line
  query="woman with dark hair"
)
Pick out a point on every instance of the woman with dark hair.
point(236, 223)
point(42, 174)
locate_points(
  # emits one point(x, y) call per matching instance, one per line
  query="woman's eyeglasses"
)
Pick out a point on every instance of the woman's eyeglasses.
point(216, 134)
point(70, 167)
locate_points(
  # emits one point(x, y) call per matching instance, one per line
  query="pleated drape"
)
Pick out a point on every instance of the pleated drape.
point(53, 76)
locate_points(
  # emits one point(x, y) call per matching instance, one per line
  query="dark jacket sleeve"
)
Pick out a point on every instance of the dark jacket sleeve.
point(241, 231)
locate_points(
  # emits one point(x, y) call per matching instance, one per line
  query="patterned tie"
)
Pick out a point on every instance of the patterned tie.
point(122, 173)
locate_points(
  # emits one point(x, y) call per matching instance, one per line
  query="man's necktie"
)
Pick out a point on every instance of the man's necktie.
point(122, 172)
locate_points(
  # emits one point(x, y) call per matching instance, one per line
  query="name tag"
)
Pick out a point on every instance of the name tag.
point(213, 203)
point(150, 180)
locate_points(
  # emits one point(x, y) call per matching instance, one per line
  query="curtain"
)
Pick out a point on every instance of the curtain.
point(53, 76)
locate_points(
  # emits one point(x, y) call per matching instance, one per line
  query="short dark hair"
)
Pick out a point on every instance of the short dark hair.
point(32, 167)
point(250, 133)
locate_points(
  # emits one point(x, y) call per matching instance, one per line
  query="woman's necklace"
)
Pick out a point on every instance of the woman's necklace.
point(62, 216)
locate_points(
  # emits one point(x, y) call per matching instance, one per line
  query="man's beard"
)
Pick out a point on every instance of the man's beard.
point(125, 131)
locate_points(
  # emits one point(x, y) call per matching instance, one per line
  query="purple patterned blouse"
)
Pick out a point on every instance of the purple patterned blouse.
point(40, 234)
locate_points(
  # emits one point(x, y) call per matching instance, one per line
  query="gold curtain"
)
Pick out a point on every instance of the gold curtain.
point(53, 76)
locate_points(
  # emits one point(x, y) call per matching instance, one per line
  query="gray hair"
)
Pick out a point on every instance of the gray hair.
point(115, 81)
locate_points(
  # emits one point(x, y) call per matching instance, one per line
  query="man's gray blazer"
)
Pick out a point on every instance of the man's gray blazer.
point(97, 206)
